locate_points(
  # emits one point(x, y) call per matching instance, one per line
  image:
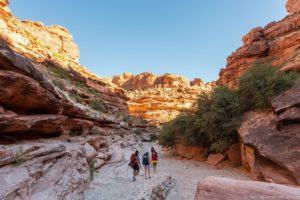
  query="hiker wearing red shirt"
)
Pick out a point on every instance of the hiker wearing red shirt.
point(154, 159)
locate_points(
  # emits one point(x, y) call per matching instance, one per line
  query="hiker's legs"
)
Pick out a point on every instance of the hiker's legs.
point(154, 167)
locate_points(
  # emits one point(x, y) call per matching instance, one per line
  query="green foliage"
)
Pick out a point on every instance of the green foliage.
point(98, 105)
point(74, 133)
point(18, 156)
point(92, 169)
point(153, 137)
point(60, 72)
point(214, 123)
point(77, 98)
point(260, 84)
point(59, 84)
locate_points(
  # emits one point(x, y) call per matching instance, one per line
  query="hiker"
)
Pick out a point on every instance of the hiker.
point(146, 163)
point(154, 159)
point(134, 164)
point(138, 159)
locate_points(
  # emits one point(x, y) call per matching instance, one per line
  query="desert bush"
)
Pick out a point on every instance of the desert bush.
point(214, 122)
point(261, 83)
point(60, 72)
point(92, 169)
point(98, 105)
point(59, 84)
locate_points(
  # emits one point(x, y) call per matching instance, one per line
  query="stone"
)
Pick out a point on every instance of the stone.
point(90, 152)
point(191, 152)
point(270, 149)
point(44, 169)
point(215, 159)
point(234, 154)
point(217, 188)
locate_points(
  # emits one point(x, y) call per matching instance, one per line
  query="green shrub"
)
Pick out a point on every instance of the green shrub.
point(98, 105)
point(77, 98)
point(153, 137)
point(92, 169)
point(74, 133)
point(60, 72)
point(260, 84)
point(59, 84)
point(18, 156)
point(215, 120)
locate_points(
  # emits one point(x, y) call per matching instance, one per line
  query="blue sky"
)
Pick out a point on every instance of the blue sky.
point(188, 37)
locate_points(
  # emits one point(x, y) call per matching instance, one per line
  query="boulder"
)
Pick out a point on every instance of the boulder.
point(234, 154)
point(191, 152)
point(217, 188)
point(90, 152)
point(215, 159)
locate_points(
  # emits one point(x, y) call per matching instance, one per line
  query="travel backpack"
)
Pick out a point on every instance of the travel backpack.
point(145, 159)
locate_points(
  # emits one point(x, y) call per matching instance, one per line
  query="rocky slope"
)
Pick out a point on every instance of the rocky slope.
point(57, 120)
point(277, 43)
point(159, 99)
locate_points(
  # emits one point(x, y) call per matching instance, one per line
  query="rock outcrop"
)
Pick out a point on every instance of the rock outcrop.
point(55, 116)
point(159, 99)
point(277, 43)
point(217, 188)
point(270, 140)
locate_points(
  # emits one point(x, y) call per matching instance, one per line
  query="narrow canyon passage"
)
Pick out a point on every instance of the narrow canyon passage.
point(114, 180)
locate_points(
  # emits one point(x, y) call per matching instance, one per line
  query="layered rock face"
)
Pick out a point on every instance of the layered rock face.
point(159, 99)
point(270, 140)
point(53, 47)
point(57, 120)
point(277, 43)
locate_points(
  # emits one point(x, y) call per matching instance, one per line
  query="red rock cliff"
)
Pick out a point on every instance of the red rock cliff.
point(277, 43)
point(160, 98)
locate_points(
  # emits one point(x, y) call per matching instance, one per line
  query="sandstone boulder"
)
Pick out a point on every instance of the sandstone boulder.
point(234, 154)
point(215, 159)
point(191, 152)
point(217, 188)
point(270, 141)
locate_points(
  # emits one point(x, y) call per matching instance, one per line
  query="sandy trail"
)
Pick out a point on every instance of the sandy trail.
point(114, 180)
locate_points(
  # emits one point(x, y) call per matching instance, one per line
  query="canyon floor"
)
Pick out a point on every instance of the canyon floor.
point(114, 180)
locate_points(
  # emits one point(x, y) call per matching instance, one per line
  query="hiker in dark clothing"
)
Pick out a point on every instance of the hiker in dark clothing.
point(138, 159)
point(134, 163)
point(154, 159)
point(147, 164)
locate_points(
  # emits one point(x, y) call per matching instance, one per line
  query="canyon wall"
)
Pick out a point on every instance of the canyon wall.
point(58, 121)
point(159, 99)
point(277, 43)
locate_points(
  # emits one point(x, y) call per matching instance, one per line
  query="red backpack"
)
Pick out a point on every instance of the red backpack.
point(154, 156)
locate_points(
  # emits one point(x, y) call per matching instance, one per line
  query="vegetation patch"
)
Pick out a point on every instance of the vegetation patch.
point(18, 156)
point(92, 169)
point(59, 84)
point(98, 105)
point(74, 133)
point(217, 116)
